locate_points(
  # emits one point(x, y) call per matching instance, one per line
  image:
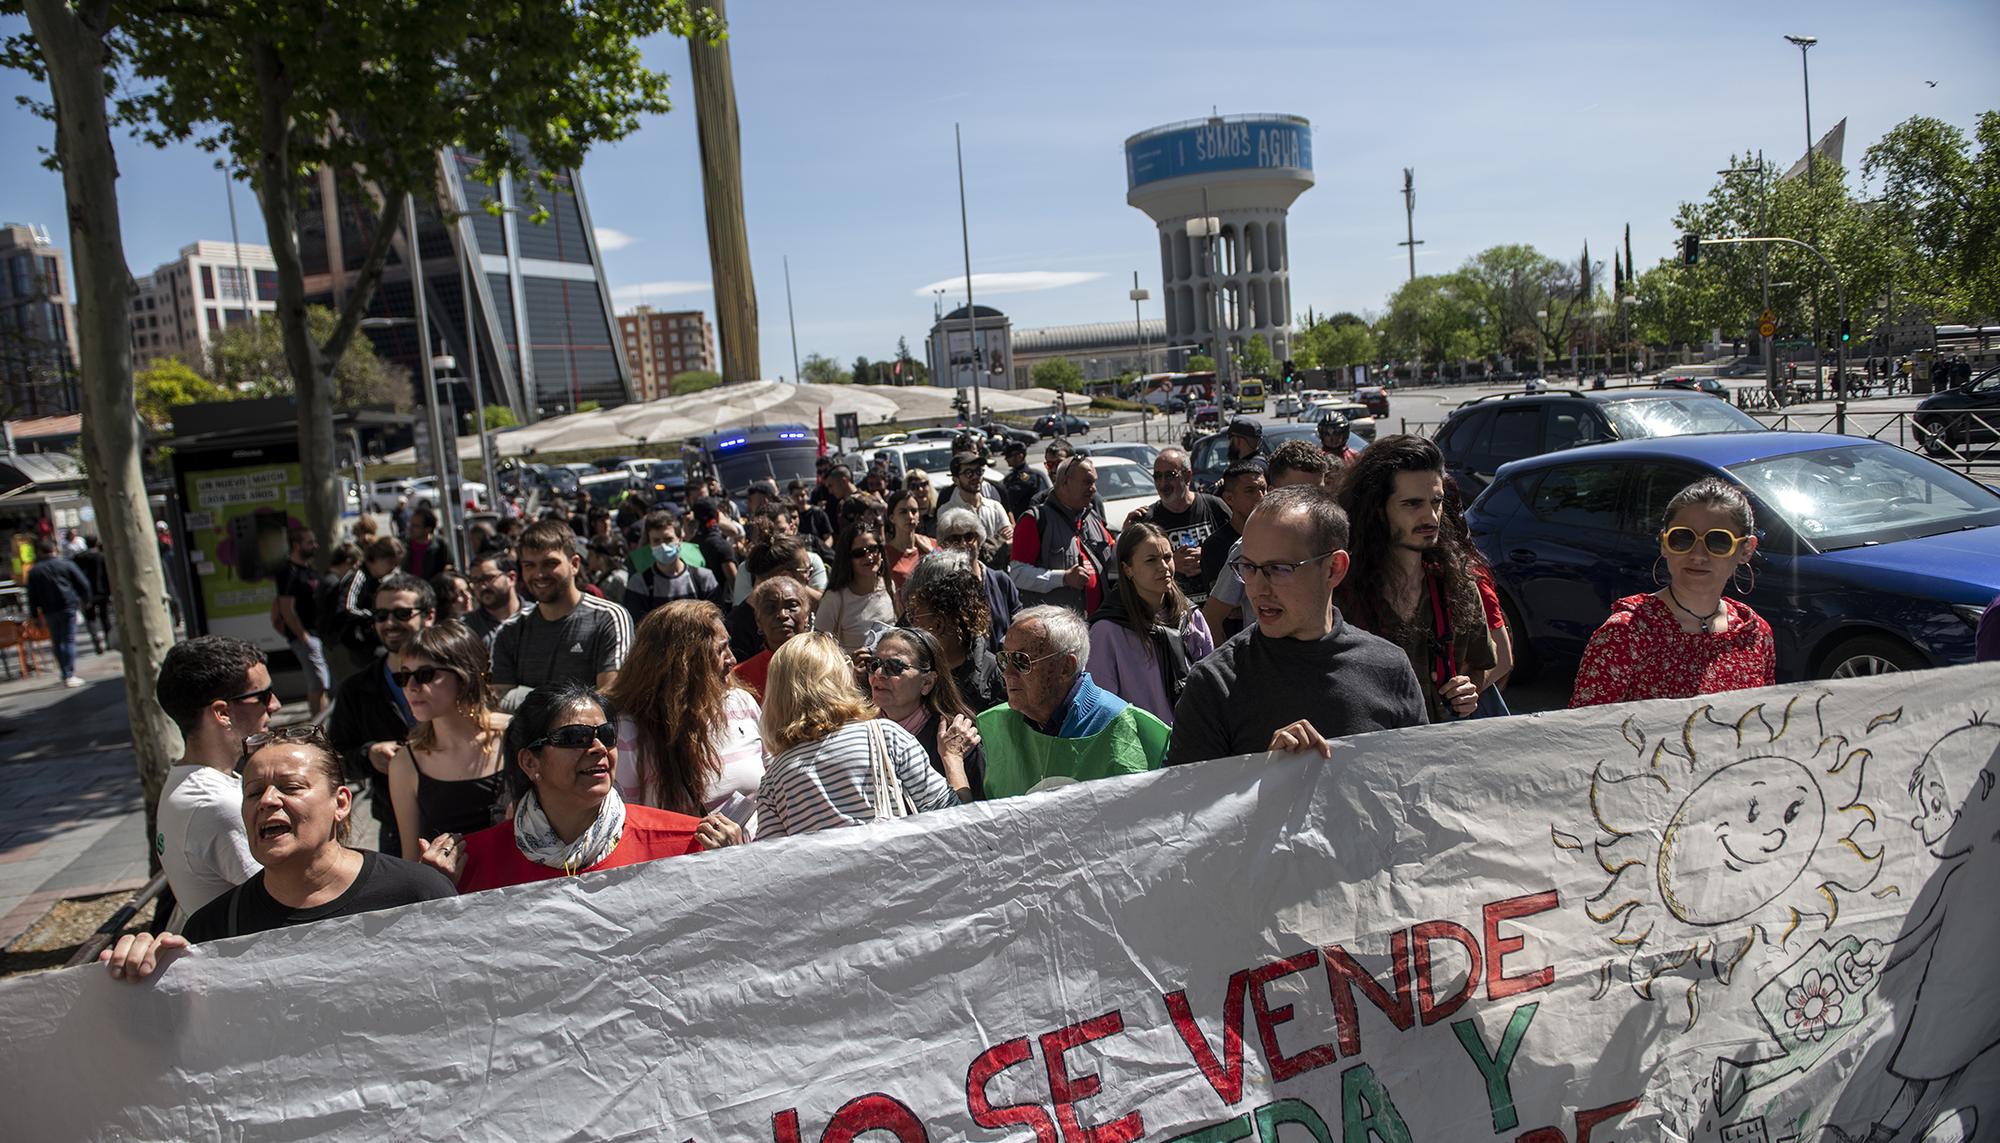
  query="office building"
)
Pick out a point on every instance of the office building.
point(184, 305)
point(538, 329)
point(38, 374)
point(658, 346)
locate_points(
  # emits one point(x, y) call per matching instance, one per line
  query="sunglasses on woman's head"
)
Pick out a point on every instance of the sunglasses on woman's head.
point(303, 732)
point(422, 676)
point(577, 736)
point(1720, 542)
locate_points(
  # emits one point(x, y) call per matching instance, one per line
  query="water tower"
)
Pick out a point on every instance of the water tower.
point(1218, 190)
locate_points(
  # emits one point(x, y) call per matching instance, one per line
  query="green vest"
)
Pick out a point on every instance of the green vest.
point(1018, 756)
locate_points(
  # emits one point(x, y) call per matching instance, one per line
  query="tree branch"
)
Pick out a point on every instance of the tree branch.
point(389, 219)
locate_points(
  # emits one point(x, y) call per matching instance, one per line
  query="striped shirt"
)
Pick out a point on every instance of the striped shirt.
point(831, 783)
point(530, 651)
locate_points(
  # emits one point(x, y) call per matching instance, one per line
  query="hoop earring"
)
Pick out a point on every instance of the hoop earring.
point(1736, 582)
point(1657, 561)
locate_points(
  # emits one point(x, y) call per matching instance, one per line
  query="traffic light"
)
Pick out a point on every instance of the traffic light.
point(1289, 371)
point(1846, 331)
point(1690, 249)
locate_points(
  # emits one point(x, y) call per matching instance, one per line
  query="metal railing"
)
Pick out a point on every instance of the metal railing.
point(1952, 439)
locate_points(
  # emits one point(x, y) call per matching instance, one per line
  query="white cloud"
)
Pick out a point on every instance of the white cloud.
point(639, 292)
point(1011, 282)
point(609, 239)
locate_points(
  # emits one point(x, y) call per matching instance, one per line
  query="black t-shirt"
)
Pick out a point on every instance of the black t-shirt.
point(1206, 517)
point(302, 584)
point(717, 550)
point(383, 883)
point(1215, 551)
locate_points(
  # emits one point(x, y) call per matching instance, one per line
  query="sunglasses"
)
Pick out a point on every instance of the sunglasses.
point(1170, 474)
point(869, 550)
point(304, 732)
point(960, 538)
point(1720, 542)
point(577, 736)
point(422, 676)
point(1020, 661)
point(891, 666)
point(261, 697)
point(399, 614)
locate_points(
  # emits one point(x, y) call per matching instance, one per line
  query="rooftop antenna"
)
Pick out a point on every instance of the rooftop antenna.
point(1410, 218)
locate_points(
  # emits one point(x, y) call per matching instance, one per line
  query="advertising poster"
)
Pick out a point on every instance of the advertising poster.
point(1760, 917)
point(235, 523)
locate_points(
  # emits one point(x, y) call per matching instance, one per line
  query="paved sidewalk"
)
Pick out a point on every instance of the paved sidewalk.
point(72, 814)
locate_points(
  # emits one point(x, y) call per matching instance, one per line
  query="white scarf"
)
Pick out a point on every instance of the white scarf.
point(538, 841)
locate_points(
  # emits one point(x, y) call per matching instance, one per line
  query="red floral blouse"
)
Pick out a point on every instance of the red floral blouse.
point(1642, 653)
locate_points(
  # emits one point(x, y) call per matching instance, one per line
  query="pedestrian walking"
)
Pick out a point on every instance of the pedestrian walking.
point(58, 592)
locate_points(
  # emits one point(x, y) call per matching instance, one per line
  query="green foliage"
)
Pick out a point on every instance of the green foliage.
point(1256, 356)
point(1058, 373)
point(1333, 343)
point(692, 381)
point(1433, 317)
point(1201, 363)
point(500, 417)
point(170, 382)
point(250, 360)
point(1940, 212)
point(588, 406)
point(819, 369)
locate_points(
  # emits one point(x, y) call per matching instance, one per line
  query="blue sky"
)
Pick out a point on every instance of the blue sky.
point(1544, 123)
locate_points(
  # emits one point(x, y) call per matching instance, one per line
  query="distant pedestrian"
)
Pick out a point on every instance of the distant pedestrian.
point(295, 615)
point(58, 592)
point(97, 612)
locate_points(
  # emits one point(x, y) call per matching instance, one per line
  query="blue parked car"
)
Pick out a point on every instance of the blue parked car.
point(1870, 558)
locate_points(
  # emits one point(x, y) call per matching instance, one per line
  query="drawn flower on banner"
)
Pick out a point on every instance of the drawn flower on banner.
point(1722, 833)
point(1813, 1005)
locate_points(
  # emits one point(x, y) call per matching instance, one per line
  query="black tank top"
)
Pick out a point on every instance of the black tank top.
point(460, 807)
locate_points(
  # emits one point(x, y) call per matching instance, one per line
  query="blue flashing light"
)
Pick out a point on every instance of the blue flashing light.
point(732, 442)
point(791, 436)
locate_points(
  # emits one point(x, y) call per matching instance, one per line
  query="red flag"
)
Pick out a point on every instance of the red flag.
point(898, 371)
point(822, 431)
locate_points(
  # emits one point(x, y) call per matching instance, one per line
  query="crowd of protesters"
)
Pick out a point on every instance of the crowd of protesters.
point(606, 686)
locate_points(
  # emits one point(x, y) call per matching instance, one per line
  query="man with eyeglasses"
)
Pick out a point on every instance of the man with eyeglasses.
point(1057, 724)
point(1189, 519)
point(1300, 675)
point(971, 491)
point(1295, 462)
point(218, 692)
point(370, 718)
point(493, 577)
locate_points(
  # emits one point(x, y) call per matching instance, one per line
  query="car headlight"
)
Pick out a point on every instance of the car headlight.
point(1970, 612)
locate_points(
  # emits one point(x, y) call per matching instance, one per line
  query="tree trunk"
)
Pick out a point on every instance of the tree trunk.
point(73, 47)
point(722, 190)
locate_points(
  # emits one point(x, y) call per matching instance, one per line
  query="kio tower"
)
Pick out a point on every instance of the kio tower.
point(1218, 190)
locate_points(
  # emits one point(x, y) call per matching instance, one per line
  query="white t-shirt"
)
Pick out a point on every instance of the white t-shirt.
point(739, 746)
point(202, 842)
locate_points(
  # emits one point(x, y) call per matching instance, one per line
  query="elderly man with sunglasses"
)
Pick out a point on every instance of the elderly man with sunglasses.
point(1057, 724)
point(218, 692)
point(1299, 675)
point(370, 719)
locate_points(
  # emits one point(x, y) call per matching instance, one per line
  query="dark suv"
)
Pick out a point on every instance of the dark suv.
point(1482, 435)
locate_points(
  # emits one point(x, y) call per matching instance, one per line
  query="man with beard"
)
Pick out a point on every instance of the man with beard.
point(1189, 518)
point(567, 634)
point(1413, 582)
point(782, 611)
point(370, 719)
point(1061, 553)
point(493, 576)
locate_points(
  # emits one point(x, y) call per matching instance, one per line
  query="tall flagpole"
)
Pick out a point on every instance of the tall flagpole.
point(971, 315)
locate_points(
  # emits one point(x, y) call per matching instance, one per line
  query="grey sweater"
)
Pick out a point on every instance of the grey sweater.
point(1349, 682)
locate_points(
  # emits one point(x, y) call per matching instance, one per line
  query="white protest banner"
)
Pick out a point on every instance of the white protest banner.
point(1758, 917)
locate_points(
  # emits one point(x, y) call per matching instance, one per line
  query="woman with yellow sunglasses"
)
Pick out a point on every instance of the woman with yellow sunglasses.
point(1687, 638)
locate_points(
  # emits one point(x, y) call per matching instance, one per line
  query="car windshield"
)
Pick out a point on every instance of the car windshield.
point(1211, 455)
point(1678, 416)
point(931, 460)
point(1872, 493)
point(1123, 481)
point(668, 470)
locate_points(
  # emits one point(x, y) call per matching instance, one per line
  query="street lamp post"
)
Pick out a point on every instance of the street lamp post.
point(1541, 342)
point(1804, 44)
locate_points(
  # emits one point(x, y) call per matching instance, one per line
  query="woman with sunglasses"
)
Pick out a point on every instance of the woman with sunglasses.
point(945, 598)
point(562, 753)
point(835, 761)
point(447, 777)
point(1687, 638)
point(298, 812)
point(1146, 635)
point(910, 689)
point(857, 603)
point(688, 739)
point(906, 543)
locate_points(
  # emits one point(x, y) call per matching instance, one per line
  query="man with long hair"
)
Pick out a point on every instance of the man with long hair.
point(1413, 581)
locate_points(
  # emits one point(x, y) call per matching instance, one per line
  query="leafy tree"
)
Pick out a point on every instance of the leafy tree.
point(1940, 210)
point(820, 369)
point(1256, 356)
point(1432, 317)
point(1058, 373)
point(251, 359)
point(500, 417)
point(1333, 343)
point(1508, 285)
point(372, 89)
point(169, 382)
point(1201, 363)
point(692, 381)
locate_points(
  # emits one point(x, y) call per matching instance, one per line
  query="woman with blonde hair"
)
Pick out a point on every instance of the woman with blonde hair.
point(447, 778)
point(688, 739)
point(836, 761)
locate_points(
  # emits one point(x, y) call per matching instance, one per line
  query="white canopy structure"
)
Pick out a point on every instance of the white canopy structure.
point(670, 420)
